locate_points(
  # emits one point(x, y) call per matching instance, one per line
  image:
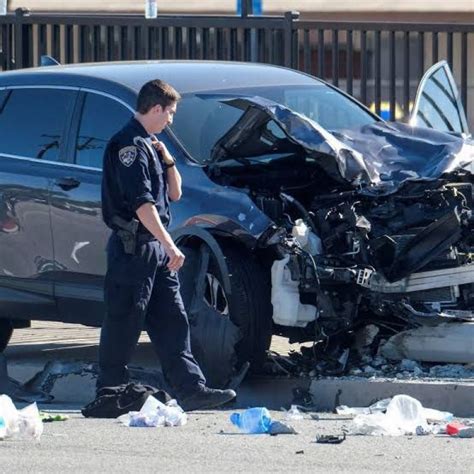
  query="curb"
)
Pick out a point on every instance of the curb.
point(456, 397)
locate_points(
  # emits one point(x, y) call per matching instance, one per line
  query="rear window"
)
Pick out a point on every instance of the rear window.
point(32, 122)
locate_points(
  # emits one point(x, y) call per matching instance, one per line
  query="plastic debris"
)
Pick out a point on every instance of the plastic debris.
point(377, 407)
point(330, 439)
point(466, 432)
point(154, 413)
point(255, 420)
point(50, 417)
point(404, 415)
point(278, 427)
point(454, 427)
point(25, 423)
point(293, 413)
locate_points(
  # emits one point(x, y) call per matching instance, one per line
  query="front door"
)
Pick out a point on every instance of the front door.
point(79, 234)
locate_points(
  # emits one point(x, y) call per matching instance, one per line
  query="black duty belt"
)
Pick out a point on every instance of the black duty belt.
point(144, 238)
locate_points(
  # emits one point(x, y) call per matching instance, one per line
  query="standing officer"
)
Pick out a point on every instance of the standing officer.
point(141, 284)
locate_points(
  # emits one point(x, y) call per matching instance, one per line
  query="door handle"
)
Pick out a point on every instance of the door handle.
point(67, 183)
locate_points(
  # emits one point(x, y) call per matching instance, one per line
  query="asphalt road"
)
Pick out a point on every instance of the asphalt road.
point(210, 443)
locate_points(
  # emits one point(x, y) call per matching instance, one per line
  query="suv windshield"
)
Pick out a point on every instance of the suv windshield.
point(202, 118)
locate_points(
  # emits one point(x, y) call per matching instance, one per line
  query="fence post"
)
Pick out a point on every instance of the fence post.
point(290, 58)
point(21, 39)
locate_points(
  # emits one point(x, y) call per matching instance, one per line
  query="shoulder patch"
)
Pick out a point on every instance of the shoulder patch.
point(127, 155)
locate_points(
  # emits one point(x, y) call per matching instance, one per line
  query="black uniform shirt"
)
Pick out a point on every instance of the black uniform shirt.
point(132, 175)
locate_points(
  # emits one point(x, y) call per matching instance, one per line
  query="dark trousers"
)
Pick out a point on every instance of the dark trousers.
point(141, 293)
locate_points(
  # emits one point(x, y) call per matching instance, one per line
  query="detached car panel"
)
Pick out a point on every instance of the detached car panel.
point(303, 214)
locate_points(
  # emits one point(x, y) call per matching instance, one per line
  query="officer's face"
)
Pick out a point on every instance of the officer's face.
point(163, 117)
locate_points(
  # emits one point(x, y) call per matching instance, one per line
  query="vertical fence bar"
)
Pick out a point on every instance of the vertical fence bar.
point(349, 62)
point(421, 53)
point(233, 44)
point(392, 64)
point(321, 54)
point(449, 49)
point(306, 51)
point(378, 72)
point(192, 43)
point(434, 47)
point(205, 43)
point(289, 37)
point(406, 74)
point(363, 72)
point(178, 39)
point(56, 42)
point(464, 57)
point(335, 57)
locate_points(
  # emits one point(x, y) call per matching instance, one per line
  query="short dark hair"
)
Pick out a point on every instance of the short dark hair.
point(156, 92)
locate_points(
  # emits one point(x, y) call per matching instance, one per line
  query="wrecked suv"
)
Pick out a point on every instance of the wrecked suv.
point(303, 213)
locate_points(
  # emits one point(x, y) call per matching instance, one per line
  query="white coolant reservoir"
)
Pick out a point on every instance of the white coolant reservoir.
point(308, 240)
point(287, 308)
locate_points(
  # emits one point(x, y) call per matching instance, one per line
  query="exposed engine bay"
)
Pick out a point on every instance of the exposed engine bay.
point(342, 254)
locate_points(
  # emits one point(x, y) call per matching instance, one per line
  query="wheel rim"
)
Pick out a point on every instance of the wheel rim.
point(214, 295)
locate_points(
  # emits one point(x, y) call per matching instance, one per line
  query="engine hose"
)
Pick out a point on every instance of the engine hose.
point(302, 209)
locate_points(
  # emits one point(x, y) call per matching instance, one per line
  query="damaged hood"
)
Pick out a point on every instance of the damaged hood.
point(381, 155)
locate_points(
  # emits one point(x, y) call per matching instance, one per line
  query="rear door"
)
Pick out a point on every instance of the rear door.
point(438, 104)
point(33, 123)
point(79, 234)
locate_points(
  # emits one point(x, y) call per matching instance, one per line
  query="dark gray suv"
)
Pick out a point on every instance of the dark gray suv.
point(302, 213)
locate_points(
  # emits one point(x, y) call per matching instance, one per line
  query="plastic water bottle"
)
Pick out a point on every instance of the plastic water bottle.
point(3, 428)
point(151, 9)
point(254, 420)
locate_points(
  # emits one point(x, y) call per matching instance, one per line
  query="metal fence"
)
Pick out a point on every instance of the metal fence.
point(379, 63)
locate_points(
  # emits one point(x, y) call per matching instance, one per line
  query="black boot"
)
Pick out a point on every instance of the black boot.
point(206, 398)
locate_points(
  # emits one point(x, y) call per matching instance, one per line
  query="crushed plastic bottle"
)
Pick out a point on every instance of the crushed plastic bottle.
point(293, 413)
point(255, 420)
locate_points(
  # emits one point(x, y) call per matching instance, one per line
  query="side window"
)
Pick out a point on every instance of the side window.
point(32, 122)
point(101, 118)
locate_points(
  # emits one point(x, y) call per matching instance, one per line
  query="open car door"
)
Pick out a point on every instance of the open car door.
point(438, 104)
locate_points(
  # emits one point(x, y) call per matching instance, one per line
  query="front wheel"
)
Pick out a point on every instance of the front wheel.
point(227, 329)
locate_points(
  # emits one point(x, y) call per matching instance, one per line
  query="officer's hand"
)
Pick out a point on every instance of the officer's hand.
point(176, 257)
point(161, 147)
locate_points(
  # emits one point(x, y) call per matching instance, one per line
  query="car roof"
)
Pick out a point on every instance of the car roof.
point(184, 76)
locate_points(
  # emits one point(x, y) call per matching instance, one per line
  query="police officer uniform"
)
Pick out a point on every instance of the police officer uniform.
point(140, 291)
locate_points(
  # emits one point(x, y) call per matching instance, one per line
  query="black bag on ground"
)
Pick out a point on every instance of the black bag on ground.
point(112, 402)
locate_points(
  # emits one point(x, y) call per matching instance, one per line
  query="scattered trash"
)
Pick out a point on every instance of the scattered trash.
point(278, 427)
point(403, 415)
point(50, 417)
point(293, 413)
point(253, 420)
point(453, 428)
point(377, 407)
point(258, 420)
point(436, 416)
point(330, 439)
point(154, 413)
point(25, 423)
point(467, 432)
